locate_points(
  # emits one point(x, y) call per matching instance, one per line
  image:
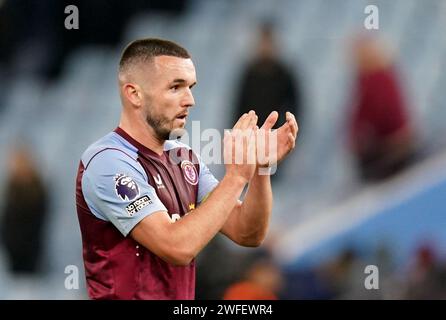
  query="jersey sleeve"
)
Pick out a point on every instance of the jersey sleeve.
point(116, 189)
point(206, 182)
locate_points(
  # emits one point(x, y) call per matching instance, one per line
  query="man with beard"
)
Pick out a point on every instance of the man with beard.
point(148, 205)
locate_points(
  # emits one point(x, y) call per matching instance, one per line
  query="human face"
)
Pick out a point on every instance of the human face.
point(168, 96)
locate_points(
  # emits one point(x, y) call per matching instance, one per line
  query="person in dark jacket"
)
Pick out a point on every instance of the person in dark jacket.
point(24, 214)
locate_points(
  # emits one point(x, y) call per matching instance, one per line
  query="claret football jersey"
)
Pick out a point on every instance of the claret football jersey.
point(119, 183)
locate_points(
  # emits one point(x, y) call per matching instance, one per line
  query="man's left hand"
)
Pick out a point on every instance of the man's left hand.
point(274, 145)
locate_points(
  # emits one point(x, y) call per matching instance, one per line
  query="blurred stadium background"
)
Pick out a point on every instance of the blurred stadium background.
point(58, 94)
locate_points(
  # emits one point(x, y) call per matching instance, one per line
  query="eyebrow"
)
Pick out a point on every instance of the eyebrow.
point(182, 81)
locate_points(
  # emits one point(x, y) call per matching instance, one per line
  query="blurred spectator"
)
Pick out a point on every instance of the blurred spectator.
point(346, 275)
point(381, 132)
point(343, 277)
point(24, 214)
point(267, 84)
point(308, 284)
point(230, 264)
point(263, 281)
point(389, 283)
point(427, 278)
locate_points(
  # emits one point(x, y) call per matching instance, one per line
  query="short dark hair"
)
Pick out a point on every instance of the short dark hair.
point(144, 50)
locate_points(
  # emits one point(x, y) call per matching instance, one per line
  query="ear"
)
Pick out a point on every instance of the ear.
point(132, 92)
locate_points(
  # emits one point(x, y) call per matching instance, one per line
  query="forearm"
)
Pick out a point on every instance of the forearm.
point(255, 211)
point(197, 228)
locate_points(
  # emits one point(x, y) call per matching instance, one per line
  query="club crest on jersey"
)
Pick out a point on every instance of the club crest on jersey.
point(125, 187)
point(189, 172)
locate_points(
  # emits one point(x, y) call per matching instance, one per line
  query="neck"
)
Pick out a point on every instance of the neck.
point(140, 130)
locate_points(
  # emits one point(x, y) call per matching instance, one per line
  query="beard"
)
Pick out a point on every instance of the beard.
point(162, 126)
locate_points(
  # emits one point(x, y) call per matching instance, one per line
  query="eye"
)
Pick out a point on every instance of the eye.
point(174, 88)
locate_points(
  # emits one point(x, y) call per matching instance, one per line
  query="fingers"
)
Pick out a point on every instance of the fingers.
point(251, 148)
point(247, 121)
point(250, 121)
point(228, 147)
point(248, 132)
point(253, 120)
point(291, 120)
point(239, 121)
point(291, 140)
point(292, 125)
point(241, 143)
point(262, 140)
point(270, 121)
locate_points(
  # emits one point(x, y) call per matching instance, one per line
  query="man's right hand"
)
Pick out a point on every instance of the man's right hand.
point(239, 147)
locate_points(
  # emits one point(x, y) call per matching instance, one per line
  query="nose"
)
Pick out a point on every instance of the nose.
point(188, 100)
